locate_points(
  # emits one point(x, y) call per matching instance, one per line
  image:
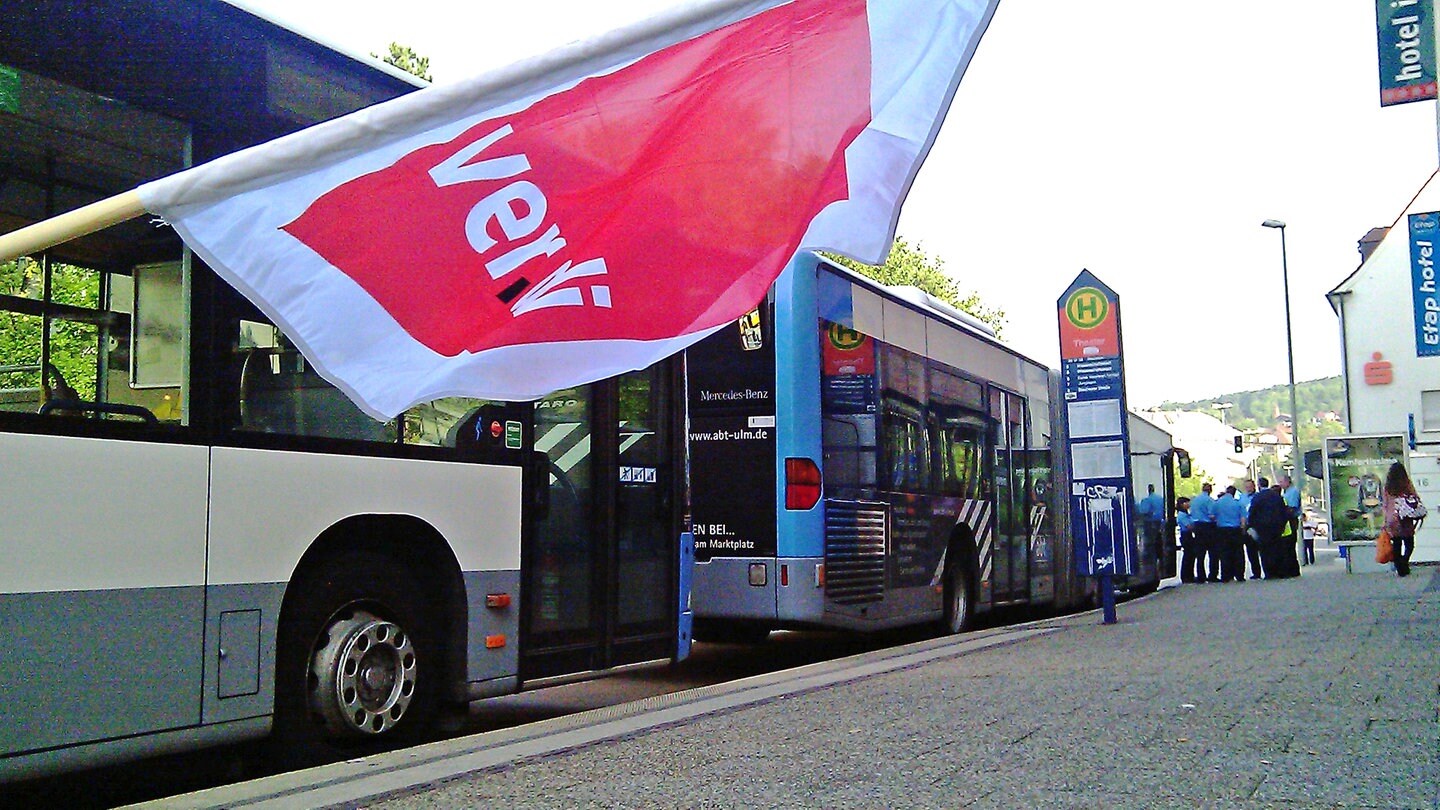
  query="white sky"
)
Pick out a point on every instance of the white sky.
point(1143, 140)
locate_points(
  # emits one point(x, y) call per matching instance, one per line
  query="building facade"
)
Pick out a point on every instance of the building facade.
point(1389, 318)
point(1209, 441)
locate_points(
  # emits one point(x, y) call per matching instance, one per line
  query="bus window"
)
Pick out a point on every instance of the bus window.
point(961, 456)
point(281, 393)
point(435, 423)
point(69, 341)
point(907, 462)
point(849, 447)
point(903, 373)
point(1015, 412)
point(955, 390)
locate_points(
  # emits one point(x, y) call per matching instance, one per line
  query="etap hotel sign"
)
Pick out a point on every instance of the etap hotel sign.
point(1097, 443)
point(1405, 34)
point(1424, 230)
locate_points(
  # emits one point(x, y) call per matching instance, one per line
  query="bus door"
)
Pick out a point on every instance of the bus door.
point(1011, 572)
point(599, 568)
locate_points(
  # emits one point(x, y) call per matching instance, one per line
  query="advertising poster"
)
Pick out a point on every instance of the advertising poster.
point(734, 513)
point(1355, 469)
point(732, 429)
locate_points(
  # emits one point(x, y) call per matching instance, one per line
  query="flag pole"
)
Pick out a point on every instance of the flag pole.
point(70, 225)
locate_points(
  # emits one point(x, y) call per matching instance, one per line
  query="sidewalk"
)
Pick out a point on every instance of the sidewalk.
point(1314, 692)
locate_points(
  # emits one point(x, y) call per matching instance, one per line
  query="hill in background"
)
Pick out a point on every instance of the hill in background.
point(1261, 409)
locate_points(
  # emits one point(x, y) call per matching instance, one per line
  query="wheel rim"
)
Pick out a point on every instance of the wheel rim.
point(363, 675)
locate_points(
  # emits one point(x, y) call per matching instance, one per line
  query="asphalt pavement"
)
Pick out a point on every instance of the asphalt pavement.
point(1321, 691)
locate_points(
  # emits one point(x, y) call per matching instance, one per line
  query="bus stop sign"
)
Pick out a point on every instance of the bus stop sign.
point(1097, 445)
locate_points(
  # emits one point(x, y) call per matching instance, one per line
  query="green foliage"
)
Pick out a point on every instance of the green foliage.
point(1190, 487)
point(910, 265)
point(405, 58)
point(73, 345)
point(1256, 409)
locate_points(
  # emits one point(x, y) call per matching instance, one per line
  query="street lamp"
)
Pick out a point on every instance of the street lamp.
point(1290, 355)
point(1222, 407)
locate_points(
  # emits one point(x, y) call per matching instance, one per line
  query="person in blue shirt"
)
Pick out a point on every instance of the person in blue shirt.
point(1252, 537)
point(1202, 513)
point(1228, 538)
point(1151, 511)
point(1291, 493)
point(1245, 495)
point(1189, 558)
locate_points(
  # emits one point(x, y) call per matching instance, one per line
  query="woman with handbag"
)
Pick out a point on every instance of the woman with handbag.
point(1403, 515)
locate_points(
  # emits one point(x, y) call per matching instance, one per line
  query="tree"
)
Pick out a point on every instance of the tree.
point(73, 344)
point(1190, 487)
point(405, 58)
point(909, 265)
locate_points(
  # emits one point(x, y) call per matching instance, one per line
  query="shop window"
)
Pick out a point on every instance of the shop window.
point(1430, 410)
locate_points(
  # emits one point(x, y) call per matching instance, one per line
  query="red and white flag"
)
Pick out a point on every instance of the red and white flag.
point(584, 213)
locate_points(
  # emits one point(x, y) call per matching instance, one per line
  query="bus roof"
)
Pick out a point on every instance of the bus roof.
point(930, 306)
point(371, 62)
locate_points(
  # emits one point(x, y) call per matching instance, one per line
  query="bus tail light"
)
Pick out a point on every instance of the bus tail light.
point(497, 600)
point(784, 575)
point(820, 575)
point(495, 642)
point(802, 483)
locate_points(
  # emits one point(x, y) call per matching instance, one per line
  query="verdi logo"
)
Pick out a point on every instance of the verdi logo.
point(1086, 308)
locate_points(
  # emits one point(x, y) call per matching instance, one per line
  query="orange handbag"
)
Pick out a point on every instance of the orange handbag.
point(1384, 549)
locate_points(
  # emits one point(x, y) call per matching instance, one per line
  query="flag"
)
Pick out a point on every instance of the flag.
point(584, 213)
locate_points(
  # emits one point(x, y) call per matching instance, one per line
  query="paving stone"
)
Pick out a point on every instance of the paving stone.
point(1319, 692)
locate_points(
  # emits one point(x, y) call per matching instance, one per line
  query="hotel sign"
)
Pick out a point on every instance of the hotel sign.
point(1424, 231)
point(1405, 31)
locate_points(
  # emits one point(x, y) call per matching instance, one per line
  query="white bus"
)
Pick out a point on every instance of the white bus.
point(204, 539)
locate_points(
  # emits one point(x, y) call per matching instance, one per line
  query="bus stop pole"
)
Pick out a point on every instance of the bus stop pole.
point(1107, 598)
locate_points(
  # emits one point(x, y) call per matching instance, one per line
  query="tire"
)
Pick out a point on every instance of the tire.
point(710, 632)
point(959, 602)
point(359, 663)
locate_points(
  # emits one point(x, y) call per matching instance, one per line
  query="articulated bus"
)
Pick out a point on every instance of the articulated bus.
point(865, 457)
point(204, 540)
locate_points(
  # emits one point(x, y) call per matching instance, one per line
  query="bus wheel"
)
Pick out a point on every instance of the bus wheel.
point(363, 675)
point(958, 609)
point(357, 663)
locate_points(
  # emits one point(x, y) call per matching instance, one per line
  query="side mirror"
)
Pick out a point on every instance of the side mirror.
point(1182, 460)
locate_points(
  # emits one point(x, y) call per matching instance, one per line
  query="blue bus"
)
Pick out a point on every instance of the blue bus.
point(864, 457)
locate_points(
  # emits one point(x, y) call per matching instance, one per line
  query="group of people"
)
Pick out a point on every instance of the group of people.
point(1219, 533)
